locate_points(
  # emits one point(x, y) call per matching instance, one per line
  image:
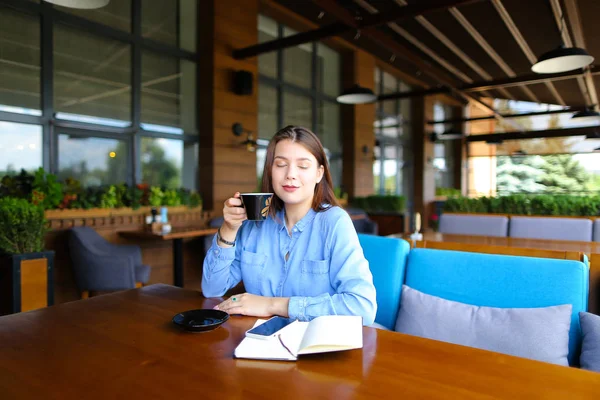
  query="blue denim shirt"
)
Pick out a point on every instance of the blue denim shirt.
point(326, 272)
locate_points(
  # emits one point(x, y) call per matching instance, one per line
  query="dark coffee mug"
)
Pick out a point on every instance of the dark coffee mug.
point(257, 205)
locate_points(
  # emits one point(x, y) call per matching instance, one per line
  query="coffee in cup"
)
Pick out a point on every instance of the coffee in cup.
point(257, 205)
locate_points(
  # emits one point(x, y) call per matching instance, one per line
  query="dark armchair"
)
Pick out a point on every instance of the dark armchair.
point(99, 265)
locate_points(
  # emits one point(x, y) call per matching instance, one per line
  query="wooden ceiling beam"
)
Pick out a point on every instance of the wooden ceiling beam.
point(529, 79)
point(548, 133)
point(445, 40)
point(579, 41)
point(337, 28)
point(491, 52)
point(566, 39)
point(516, 33)
point(529, 114)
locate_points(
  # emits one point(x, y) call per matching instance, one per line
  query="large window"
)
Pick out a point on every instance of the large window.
point(392, 163)
point(298, 86)
point(543, 165)
point(104, 96)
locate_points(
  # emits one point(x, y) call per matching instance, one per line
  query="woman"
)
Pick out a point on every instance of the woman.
point(304, 260)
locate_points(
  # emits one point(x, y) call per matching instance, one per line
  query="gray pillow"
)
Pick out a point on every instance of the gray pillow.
point(537, 333)
point(590, 346)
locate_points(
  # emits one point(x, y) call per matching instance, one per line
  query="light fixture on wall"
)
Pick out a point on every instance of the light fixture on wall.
point(250, 143)
point(83, 4)
point(357, 95)
point(587, 115)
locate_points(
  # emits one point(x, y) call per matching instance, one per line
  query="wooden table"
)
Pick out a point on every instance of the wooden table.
point(564, 245)
point(176, 235)
point(123, 345)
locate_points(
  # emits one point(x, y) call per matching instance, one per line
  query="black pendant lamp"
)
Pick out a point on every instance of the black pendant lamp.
point(587, 115)
point(562, 59)
point(357, 95)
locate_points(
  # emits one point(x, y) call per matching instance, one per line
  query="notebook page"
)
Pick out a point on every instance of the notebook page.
point(332, 333)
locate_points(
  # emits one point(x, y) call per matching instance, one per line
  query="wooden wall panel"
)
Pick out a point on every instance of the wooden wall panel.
point(357, 126)
point(227, 166)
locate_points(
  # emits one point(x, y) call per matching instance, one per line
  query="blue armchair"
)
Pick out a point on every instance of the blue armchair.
point(102, 266)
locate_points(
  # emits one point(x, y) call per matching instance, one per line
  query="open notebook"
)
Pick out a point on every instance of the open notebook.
point(322, 334)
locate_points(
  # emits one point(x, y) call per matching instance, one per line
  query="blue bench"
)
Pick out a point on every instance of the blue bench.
point(477, 279)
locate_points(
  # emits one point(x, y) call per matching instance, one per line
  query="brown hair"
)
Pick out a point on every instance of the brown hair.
point(324, 196)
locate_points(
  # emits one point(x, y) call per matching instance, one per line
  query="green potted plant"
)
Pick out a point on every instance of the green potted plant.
point(26, 270)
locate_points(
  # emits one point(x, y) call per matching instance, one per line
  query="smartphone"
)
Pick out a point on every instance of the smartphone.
point(269, 328)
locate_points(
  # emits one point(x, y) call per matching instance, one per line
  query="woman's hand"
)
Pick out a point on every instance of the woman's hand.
point(255, 306)
point(233, 215)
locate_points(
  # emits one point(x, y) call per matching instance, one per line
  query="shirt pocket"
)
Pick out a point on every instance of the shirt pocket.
point(315, 267)
point(253, 269)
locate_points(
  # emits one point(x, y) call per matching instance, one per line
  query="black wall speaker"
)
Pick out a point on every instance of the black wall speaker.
point(242, 82)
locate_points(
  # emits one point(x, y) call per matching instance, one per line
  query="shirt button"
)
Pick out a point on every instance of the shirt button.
point(217, 252)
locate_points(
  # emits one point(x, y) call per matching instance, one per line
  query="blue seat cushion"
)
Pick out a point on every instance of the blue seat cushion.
point(537, 333)
point(596, 234)
point(502, 281)
point(387, 261)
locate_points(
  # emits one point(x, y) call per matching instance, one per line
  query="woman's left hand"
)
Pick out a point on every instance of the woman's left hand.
point(255, 306)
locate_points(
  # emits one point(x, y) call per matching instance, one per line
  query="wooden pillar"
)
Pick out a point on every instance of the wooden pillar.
point(225, 166)
point(424, 175)
point(357, 126)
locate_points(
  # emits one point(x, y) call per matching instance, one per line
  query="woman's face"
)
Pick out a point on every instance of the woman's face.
point(295, 173)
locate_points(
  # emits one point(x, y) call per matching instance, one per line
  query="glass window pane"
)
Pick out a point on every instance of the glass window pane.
point(267, 111)
point(390, 85)
point(92, 75)
point(377, 169)
point(328, 71)
point(390, 169)
point(328, 130)
point(297, 110)
point(20, 148)
point(168, 93)
point(164, 22)
point(19, 62)
point(92, 161)
point(297, 63)
point(405, 107)
point(169, 163)
point(267, 31)
point(116, 14)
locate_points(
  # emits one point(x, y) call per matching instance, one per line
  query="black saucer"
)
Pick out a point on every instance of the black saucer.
point(200, 320)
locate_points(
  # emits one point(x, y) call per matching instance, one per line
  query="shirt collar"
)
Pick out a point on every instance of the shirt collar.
point(300, 225)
